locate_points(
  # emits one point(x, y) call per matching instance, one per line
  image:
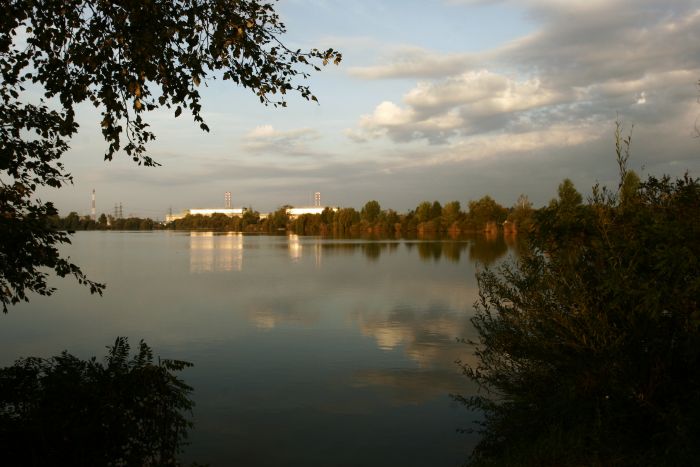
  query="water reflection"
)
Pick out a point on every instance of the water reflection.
point(294, 246)
point(422, 334)
point(429, 338)
point(315, 342)
point(487, 249)
point(216, 252)
point(270, 316)
point(372, 250)
point(414, 386)
point(483, 249)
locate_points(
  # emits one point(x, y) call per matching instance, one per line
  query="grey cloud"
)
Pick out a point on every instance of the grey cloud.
point(588, 62)
point(416, 386)
point(267, 140)
point(412, 62)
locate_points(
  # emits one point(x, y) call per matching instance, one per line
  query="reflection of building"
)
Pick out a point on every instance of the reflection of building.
point(211, 252)
point(318, 250)
point(294, 247)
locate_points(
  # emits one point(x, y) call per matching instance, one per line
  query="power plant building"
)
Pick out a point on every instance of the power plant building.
point(292, 212)
point(231, 212)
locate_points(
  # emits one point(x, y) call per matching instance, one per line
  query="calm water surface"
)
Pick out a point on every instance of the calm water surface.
point(307, 351)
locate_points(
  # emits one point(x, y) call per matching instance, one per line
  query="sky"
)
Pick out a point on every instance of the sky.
point(434, 100)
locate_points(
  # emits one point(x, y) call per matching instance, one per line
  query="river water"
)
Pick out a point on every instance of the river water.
point(306, 351)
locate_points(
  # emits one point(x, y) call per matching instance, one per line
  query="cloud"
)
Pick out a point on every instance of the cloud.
point(266, 139)
point(460, 105)
point(481, 92)
point(560, 86)
point(410, 62)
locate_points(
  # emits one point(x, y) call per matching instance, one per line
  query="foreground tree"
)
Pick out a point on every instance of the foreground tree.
point(67, 411)
point(125, 58)
point(589, 345)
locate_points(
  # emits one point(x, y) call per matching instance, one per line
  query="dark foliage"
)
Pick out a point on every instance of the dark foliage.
point(73, 222)
point(589, 345)
point(67, 411)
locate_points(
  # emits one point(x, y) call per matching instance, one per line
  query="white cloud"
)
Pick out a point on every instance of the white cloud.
point(387, 114)
point(414, 62)
point(266, 139)
point(552, 88)
point(438, 110)
point(481, 92)
point(261, 132)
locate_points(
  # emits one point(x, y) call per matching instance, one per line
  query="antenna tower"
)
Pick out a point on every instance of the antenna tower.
point(227, 200)
point(317, 199)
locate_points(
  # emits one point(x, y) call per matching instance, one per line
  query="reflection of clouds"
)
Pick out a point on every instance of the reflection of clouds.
point(415, 386)
point(428, 337)
point(268, 317)
point(387, 338)
point(263, 319)
point(210, 252)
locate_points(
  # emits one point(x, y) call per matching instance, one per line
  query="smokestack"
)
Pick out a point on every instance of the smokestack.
point(93, 210)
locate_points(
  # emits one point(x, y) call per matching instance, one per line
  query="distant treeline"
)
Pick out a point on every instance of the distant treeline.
point(483, 215)
point(428, 218)
point(75, 222)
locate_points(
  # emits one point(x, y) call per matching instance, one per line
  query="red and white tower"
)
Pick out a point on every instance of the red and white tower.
point(93, 210)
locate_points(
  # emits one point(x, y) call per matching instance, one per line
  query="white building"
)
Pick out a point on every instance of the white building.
point(293, 213)
point(226, 211)
point(231, 212)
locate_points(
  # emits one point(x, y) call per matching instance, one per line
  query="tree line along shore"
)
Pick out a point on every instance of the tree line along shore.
point(428, 218)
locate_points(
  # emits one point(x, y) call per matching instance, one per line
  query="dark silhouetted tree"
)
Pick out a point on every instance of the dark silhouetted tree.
point(67, 411)
point(589, 345)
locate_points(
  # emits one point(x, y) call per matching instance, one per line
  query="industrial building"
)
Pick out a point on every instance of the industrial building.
point(292, 212)
point(231, 212)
